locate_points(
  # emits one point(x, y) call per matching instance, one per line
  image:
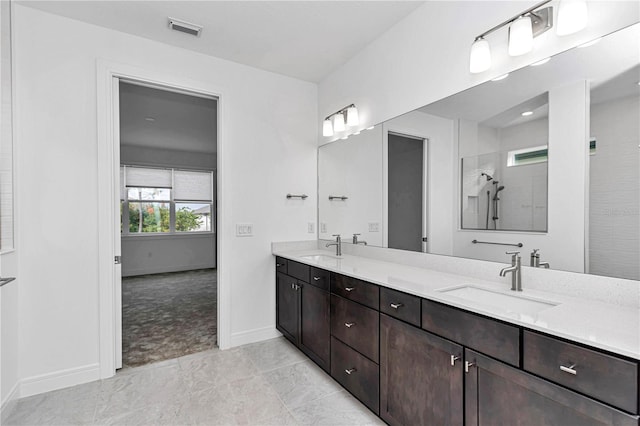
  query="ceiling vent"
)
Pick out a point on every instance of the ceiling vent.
point(185, 27)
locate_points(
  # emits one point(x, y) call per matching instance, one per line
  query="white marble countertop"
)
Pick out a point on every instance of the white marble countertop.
point(601, 325)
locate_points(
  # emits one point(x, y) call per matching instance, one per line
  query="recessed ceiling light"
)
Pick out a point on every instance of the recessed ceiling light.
point(527, 113)
point(542, 62)
point(150, 119)
point(639, 83)
point(502, 77)
point(590, 43)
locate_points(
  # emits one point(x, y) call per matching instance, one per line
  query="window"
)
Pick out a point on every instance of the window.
point(168, 201)
point(519, 157)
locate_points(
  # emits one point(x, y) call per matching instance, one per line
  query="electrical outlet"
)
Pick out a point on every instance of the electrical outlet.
point(374, 226)
point(244, 229)
point(311, 227)
point(323, 228)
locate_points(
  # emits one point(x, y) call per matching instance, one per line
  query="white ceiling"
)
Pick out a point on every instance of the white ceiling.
point(179, 121)
point(302, 39)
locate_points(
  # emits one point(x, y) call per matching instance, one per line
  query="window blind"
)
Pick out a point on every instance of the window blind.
point(147, 177)
point(192, 186)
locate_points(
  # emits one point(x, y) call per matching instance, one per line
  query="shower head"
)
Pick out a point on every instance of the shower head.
point(488, 176)
point(500, 188)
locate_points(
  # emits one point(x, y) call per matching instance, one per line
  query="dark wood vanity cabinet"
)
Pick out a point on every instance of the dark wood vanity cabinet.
point(303, 309)
point(421, 376)
point(498, 394)
point(414, 361)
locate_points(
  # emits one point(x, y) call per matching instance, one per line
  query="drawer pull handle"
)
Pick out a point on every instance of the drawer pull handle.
point(396, 305)
point(349, 324)
point(570, 369)
point(316, 278)
point(279, 265)
point(468, 365)
point(350, 371)
point(349, 288)
point(293, 286)
point(454, 358)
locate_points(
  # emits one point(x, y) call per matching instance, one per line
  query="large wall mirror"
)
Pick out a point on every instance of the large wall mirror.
point(546, 158)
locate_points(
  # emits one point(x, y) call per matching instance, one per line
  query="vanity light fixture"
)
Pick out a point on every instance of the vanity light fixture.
point(527, 25)
point(502, 77)
point(527, 113)
point(573, 16)
point(542, 62)
point(347, 116)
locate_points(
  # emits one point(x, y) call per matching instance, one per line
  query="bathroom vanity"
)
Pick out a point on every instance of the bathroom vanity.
point(419, 346)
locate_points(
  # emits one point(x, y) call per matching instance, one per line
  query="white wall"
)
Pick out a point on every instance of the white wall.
point(269, 131)
point(614, 222)
point(425, 57)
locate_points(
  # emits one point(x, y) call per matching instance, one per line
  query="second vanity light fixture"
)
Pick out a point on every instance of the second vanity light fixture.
point(347, 116)
point(572, 17)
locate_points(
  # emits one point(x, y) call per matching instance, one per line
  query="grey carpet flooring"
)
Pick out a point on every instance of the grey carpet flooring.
point(166, 316)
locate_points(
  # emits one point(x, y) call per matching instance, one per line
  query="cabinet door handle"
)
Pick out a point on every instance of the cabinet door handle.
point(349, 288)
point(454, 358)
point(571, 369)
point(468, 365)
point(349, 324)
point(293, 286)
point(350, 371)
point(279, 265)
point(396, 305)
point(316, 278)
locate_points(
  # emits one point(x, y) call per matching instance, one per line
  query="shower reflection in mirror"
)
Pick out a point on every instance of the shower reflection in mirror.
point(504, 168)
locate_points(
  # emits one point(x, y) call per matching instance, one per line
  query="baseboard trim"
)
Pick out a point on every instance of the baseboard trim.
point(59, 379)
point(149, 271)
point(8, 402)
point(253, 336)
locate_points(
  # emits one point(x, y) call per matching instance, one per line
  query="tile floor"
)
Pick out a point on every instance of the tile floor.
point(266, 383)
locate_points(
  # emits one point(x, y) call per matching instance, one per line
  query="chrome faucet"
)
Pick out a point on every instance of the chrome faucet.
point(515, 269)
point(338, 245)
point(535, 260)
point(356, 242)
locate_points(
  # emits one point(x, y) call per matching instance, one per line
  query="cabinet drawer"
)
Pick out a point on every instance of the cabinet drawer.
point(298, 270)
point(485, 335)
point(355, 289)
point(356, 325)
point(281, 264)
point(320, 278)
point(400, 305)
point(604, 377)
point(356, 373)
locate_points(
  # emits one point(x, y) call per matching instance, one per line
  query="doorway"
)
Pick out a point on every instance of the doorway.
point(407, 192)
point(168, 276)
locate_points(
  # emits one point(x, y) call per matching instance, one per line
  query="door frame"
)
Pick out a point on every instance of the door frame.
point(108, 166)
point(426, 170)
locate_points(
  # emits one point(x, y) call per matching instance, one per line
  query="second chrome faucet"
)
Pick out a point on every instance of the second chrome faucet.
point(515, 269)
point(338, 245)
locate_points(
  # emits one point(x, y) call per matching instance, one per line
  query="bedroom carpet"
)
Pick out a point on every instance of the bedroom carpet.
point(168, 315)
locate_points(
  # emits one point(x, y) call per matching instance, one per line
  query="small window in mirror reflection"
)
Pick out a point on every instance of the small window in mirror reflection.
point(520, 157)
point(592, 146)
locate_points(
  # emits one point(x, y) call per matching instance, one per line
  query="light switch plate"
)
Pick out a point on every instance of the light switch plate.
point(323, 228)
point(244, 229)
point(311, 227)
point(374, 226)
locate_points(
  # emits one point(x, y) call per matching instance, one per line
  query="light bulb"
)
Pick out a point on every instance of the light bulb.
point(520, 36)
point(338, 122)
point(572, 16)
point(480, 58)
point(352, 116)
point(327, 128)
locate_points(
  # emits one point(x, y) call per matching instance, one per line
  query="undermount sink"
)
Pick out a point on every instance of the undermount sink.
point(500, 301)
point(319, 257)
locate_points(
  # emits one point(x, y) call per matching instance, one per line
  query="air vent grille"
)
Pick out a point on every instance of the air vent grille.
point(185, 27)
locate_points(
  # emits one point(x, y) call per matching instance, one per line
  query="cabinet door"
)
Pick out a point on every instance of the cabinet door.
point(496, 393)
point(418, 383)
point(287, 306)
point(314, 324)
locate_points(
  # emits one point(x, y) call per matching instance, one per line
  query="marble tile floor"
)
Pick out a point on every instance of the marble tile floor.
point(266, 383)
